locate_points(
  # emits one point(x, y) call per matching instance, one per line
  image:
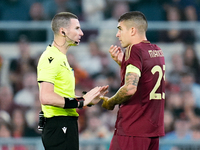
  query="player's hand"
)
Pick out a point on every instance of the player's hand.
point(116, 54)
point(106, 104)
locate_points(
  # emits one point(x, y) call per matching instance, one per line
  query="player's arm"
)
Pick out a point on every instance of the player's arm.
point(126, 91)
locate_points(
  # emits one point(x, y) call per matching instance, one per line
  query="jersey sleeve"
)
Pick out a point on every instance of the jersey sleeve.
point(48, 68)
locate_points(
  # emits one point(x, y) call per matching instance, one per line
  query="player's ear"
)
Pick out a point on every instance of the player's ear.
point(133, 31)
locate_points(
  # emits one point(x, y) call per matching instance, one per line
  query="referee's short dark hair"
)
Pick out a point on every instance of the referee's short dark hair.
point(61, 19)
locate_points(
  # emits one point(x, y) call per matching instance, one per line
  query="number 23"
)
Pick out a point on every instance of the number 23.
point(153, 94)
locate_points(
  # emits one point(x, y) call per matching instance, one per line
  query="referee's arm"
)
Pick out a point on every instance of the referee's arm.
point(49, 97)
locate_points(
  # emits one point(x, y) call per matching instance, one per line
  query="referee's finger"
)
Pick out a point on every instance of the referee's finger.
point(105, 87)
point(95, 91)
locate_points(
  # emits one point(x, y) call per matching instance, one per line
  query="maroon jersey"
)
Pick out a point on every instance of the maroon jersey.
point(143, 114)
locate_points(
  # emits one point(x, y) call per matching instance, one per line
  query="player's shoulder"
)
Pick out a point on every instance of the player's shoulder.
point(144, 46)
point(156, 46)
point(134, 48)
point(139, 46)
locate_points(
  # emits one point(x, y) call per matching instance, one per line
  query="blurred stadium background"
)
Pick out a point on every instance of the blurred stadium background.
point(25, 32)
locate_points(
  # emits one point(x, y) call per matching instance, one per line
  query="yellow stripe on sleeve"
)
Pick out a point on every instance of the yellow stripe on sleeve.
point(131, 68)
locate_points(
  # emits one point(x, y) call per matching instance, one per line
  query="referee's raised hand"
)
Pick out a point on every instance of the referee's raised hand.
point(93, 96)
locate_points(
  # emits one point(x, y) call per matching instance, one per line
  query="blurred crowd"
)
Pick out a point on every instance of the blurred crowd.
point(97, 11)
point(19, 100)
point(182, 110)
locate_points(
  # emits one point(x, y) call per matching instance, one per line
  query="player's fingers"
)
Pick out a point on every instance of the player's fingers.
point(119, 49)
point(104, 98)
point(112, 49)
point(117, 53)
point(115, 49)
point(111, 46)
point(104, 104)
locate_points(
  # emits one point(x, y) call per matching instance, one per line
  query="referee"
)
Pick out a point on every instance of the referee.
point(57, 87)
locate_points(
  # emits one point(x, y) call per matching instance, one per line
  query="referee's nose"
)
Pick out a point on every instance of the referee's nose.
point(81, 33)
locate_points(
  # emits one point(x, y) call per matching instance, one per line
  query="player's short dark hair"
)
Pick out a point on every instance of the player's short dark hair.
point(61, 19)
point(137, 17)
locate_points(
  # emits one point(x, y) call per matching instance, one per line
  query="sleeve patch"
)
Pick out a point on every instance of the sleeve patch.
point(131, 68)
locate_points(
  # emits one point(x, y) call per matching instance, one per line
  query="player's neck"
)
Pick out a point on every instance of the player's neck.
point(139, 39)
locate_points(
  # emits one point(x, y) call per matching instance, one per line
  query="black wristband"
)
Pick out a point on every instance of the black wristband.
point(81, 102)
point(73, 102)
point(70, 103)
